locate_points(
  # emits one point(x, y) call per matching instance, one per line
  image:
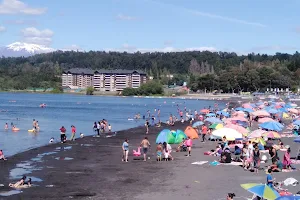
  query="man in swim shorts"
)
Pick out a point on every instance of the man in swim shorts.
point(145, 144)
point(159, 149)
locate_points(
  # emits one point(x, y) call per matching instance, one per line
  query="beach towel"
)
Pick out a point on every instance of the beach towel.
point(214, 163)
point(295, 161)
point(289, 170)
point(233, 163)
point(199, 162)
point(207, 153)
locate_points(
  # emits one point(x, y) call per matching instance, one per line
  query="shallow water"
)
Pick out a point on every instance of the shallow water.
point(81, 111)
point(10, 193)
point(64, 158)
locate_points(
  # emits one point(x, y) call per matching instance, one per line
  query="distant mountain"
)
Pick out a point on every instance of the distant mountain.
point(23, 49)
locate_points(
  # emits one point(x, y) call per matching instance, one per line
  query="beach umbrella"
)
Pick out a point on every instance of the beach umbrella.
point(216, 126)
point(247, 105)
point(273, 111)
point(259, 140)
point(265, 119)
point(248, 110)
point(239, 109)
point(239, 118)
point(271, 134)
point(226, 114)
point(165, 136)
point(297, 140)
point(238, 128)
point(213, 120)
point(290, 197)
point(196, 124)
point(210, 115)
point(229, 133)
point(293, 110)
point(261, 113)
point(205, 111)
point(261, 190)
point(297, 122)
point(256, 134)
point(273, 126)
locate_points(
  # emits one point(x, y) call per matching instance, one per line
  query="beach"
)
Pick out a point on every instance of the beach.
point(91, 168)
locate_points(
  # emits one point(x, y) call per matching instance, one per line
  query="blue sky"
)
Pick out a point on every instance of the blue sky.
point(241, 26)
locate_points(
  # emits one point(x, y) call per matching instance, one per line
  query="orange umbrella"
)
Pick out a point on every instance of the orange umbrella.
point(204, 111)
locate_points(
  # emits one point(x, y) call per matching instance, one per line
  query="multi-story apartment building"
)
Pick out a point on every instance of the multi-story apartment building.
point(103, 80)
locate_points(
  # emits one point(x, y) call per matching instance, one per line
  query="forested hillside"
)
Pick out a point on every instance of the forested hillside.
point(202, 70)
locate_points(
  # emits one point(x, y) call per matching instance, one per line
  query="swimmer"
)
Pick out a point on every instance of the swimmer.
point(19, 183)
point(6, 126)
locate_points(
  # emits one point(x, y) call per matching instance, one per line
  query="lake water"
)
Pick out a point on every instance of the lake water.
point(80, 111)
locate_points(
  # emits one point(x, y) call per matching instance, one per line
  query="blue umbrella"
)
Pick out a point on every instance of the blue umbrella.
point(273, 126)
point(210, 115)
point(239, 109)
point(273, 111)
point(297, 122)
point(213, 120)
point(226, 114)
point(198, 123)
point(297, 140)
point(292, 197)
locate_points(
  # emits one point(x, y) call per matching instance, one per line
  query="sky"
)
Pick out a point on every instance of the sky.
point(241, 26)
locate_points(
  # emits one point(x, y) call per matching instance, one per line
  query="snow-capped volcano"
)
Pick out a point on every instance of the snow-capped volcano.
point(23, 49)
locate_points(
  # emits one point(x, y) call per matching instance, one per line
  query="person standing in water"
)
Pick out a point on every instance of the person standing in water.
point(6, 126)
point(125, 148)
point(145, 144)
point(147, 126)
point(73, 130)
point(62, 134)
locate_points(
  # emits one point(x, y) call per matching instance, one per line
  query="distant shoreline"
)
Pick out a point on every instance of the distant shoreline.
point(218, 97)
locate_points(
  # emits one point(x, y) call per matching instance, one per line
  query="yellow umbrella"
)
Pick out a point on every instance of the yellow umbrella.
point(285, 116)
point(272, 134)
point(259, 140)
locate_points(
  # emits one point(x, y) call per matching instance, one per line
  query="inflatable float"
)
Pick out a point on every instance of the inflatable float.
point(31, 130)
point(15, 129)
point(43, 105)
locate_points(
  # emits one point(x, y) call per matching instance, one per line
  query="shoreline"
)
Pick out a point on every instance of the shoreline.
point(218, 97)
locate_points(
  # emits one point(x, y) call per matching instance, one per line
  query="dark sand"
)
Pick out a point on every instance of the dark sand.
point(92, 169)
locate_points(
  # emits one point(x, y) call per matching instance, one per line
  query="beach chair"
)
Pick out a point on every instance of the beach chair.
point(137, 153)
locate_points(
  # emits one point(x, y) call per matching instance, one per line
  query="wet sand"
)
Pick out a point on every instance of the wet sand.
point(91, 168)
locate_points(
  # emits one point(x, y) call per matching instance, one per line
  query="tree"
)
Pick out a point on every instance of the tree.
point(90, 91)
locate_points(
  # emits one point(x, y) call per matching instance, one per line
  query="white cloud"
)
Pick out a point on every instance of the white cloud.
point(126, 17)
point(18, 7)
point(210, 15)
point(272, 48)
point(34, 36)
point(2, 29)
point(132, 49)
point(21, 22)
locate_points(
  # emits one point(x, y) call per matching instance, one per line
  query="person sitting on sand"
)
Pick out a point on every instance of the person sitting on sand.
point(159, 150)
point(230, 196)
point(182, 146)
point(2, 157)
point(276, 166)
point(218, 151)
point(19, 183)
